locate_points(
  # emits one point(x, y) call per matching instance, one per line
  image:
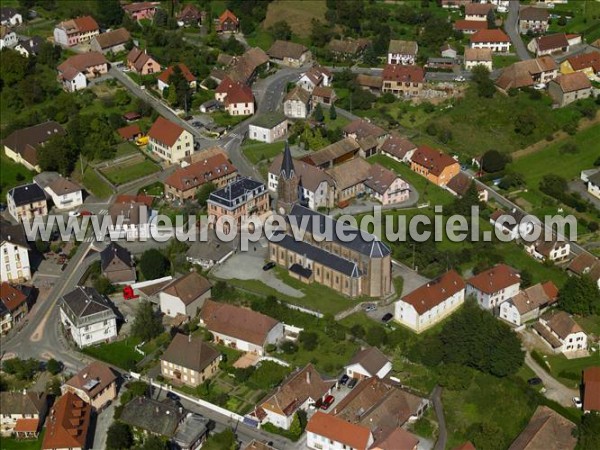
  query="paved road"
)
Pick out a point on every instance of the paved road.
point(436, 398)
point(555, 390)
point(511, 26)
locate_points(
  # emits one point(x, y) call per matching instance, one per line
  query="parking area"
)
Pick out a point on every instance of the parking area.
point(127, 309)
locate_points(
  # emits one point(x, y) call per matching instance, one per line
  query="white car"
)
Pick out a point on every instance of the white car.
point(577, 402)
point(74, 213)
point(539, 86)
point(460, 78)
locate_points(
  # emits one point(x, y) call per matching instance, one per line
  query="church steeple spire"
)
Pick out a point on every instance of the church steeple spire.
point(287, 164)
point(287, 187)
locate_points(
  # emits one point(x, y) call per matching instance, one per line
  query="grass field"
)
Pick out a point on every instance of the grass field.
point(568, 371)
point(11, 175)
point(590, 324)
point(297, 14)
point(125, 148)
point(14, 444)
point(118, 175)
point(257, 152)
point(120, 353)
point(93, 183)
point(585, 19)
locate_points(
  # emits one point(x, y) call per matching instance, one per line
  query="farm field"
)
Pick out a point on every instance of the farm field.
point(297, 14)
point(130, 170)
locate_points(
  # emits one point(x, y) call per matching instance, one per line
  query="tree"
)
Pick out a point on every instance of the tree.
point(487, 435)
point(119, 436)
point(318, 114)
point(281, 30)
point(462, 205)
point(481, 77)
point(493, 161)
point(58, 154)
point(525, 124)
point(526, 279)
point(370, 58)
point(455, 377)
point(204, 192)
point(376, 336)
point(147, 324)
point(104, 286)
point(22, 369)
point(53, 366)
point(154, 443)
point(295, 427)
point(332, 113)
point(309, 340)
point(225, 440)
point(53, 386)
point(579, 295)
point(589, 431)
point(109, 12)
point(153, 264)
point(42, 246)
point(491, 19)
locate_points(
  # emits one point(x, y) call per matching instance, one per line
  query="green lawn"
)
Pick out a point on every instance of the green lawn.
point(95, 184)
point(11, 175)
point(156, 188)
point(119, 353)
point(141, 169)
point(590, 324)
point(260, 38)
point(585, 16)
point(126, 148)
point(499, 61)
point(257, 152)
point(14, 444)
point(224, 119)
point(568, 371)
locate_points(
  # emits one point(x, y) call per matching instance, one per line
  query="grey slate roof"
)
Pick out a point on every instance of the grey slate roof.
point(32, 44)
point(287, 165)
point(86, 301)
point(152, 416)
point(191, 429)
point(19, 403)
point(371, 359)
point(235, 192)
point(14, 234)
point(317, 254)
point(26, 194)
point(361, 241)
point(114, 250)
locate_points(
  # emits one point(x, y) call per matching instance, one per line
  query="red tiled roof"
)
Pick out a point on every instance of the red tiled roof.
point(166, 74)
point(235, 92)
point(480, 9)
point(12, 297)
point(68, 423)
point(165, 131)
point(552, 41)
point(400, 73)
point(496, 35)
point(591, 389)
point(83, 61)
point(139, 6)
point(585, 60)
point(571, 82)
point(130, 131)
point(85, 24)
point(435, 292)
point(338, 430)
point(463, 24)
point(201, 172)
point(124, 198)
point(434, 160)
point(495, 279)
point(27, 425)
point(228, 15)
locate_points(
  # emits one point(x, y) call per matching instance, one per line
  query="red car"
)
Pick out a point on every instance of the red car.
point(328, 402)
point(85, 213)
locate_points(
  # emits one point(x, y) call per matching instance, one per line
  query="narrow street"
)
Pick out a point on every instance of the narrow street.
point(511, 26)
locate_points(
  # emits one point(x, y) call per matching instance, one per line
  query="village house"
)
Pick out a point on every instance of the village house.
point(315, 76)
point(141, 62)
point(496, 40)
point(14, 248)
point(323, 95)
point(141, 10)
point(348, 48)
point(68, 424)
point(184, 296)
point(359, 264)
point(111, 42)
point(430, 303)
point(163, 79)
point(13, 306)
point(189, 360)
point(590, 388)
point(88, 316)
point(367, 363)
point(10, 17)
point(131, 220)
point(593, 184)
point(237, 202)
point(8, 38)
point(361, 129)
point(64, 193)
point(334, 154)
point(296, 104)
point(513, 223)
point(75, 71)
point(30, 46)
point(402, 52)
point(21, 145)
point(76, 31)
point(460, 184)
point(440, 63)
point(268, 127)
point(300, 390)
point(561, 333)
point(327, 431)
point(448, 51)
point(184, 183)
point(552, 250)
point(227, 23)
point(585, 264)
point(169, 141)
point(245, 68)
point(527, 73)
point(26, 202)
point(152, 417)
point(588, 63)
point(240, 328)
point(532, 19)
point(380, 405)
point(130, 132)
point(403, 80)
point(289, 53)
point(529, 303)
point(192, 432)
point(385, 186)
point(23, 413)
point(190, 16)
point(478, 11)
point(470, 26)
point(546, 427)
point(315, 187)
point(478, 57)
point(549, 44)
point(95, 384)
point(437, 167)
point(369, 83)
point(236, 96)
point(494, 286)
point(117, 264)
point(569, 88)
point(349, 178)
point(397, 439)
point(212, 252)
point(398, 148)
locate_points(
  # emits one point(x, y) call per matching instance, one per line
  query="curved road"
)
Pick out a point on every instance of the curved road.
point(511, 26)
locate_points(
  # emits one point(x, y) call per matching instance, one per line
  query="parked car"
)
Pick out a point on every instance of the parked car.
point(370, 307)
point(577, 402)
point(352, 382)
point(86, 213)
point(460, 79)
point(387, 317)
point(539, 86)
point(327, 402)
point(534, 381)
point(268, 266)
point(316, 405)
point(344, 379)
point(127, 377)
point(74, 213)
point(173, 396)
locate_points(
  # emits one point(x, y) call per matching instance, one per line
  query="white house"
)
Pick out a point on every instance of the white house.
point(478, 57)
point(494, 286)
point(315, 76)
point(297, 103)
point(26, 202)
point(14, 250)
point(236, 96)
point(561, 333)
point(184, 296)
point(430, 303)
point(398, 148)
point(88, 316)
point(131, 221)
point(76, 31)
point(402, 52)
point(593, 184)
point(529, 303)
point(23, 413)
point(300, 390)
point(64, 193)
point(30, 47)
point(8, 38)
point(513, 223)
point(169, 141)
point(268, 127)
point(240, 328)
point(477, 11)
point(10, 17)
point(495, 39)
point(369, 362)
point(326, 431)
point(74, 81)
point(553, 250)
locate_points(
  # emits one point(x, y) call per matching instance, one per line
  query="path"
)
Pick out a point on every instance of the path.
point(436, 398)
point(511, 26)
point(555, 390)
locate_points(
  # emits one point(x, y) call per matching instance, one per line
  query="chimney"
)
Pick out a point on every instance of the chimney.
point(307, 377)
point(189, 338)
point(156, 409)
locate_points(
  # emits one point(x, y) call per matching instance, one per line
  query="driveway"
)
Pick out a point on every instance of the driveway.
point(555, 390)
point(511, 26)
point(579, 186)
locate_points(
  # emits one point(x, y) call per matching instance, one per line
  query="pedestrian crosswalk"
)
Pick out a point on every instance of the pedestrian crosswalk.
point(103, 212)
